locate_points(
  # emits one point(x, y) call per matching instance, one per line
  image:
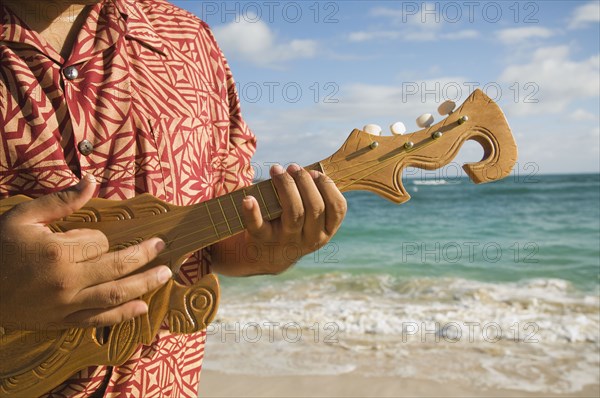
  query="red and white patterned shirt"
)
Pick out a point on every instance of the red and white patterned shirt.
point(147, 89)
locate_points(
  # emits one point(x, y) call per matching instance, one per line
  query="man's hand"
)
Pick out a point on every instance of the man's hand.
point(313, 209)
point(62, 280)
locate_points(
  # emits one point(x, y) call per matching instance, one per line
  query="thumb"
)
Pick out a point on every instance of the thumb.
point(59, 204)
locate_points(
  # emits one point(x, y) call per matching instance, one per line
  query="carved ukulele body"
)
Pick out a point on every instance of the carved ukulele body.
point(50, 355)
point(34, 362)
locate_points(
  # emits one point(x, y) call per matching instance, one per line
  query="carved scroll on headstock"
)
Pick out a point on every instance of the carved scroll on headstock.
point(489, 127)
point(375, 163)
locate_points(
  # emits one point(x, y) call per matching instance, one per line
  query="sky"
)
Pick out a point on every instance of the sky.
point(308, 72)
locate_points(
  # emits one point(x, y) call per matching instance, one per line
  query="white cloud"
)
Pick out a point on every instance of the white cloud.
point(416, 26)
point(254, 42)
point(461, 35)
point(315, 131)
point(386, 12)
point(585, 15)
point(329, 124)
point(519, 35)
point(560, 80)
point(419, 35)
point(364, 101)
point(426, 15)
point(361, 36)
point(412, 35)
point(582, 115)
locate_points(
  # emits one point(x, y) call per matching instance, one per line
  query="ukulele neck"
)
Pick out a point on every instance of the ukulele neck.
point(220, 218)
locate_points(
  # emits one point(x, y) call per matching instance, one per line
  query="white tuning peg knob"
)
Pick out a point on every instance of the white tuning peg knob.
point(425, 120)
point(446, 107)
point(398, 128)
point(372, 129)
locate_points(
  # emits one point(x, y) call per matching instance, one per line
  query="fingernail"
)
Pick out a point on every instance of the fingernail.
point(164, 274)
point(248, 202)
point(276, 170)
point(86, 179)
point(160, 245)
point(140, 309)
point(294, 168)
point(314, 174)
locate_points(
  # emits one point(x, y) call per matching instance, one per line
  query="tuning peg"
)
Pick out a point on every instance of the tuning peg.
point(446, 107)
point(398, 128)
point(372, 129)
point(425, 120)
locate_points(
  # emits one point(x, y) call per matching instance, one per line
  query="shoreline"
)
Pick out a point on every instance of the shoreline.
point(218, 384)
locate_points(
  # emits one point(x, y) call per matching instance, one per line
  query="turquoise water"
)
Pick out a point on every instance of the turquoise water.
point(403, 287)
point(510, 230)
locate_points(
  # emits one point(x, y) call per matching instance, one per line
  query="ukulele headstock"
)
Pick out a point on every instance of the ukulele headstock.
point(375, 163)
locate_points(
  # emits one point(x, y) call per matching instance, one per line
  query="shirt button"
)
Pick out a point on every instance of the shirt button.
point(85, 147)
point(71, 72)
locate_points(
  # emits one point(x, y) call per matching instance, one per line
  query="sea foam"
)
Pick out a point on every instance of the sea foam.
point(540, 333)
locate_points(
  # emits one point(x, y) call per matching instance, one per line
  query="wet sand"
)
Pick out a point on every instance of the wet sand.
point(217, 384)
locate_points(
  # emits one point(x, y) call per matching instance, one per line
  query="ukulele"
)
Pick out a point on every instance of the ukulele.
point(33, 363)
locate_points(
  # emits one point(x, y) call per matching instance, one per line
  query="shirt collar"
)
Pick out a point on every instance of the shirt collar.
point(137, 27)
point(13, 30)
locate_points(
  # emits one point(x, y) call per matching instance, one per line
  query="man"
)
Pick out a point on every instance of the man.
point(114, 98)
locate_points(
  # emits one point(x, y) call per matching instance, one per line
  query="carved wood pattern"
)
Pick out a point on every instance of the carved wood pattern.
point(75, 348)
point(199, 308)
point(125, 245)
point(357, 166)
point(29, 367)
point(123, 340)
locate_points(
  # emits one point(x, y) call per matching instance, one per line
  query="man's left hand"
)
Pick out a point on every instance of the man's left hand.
point(313, 209)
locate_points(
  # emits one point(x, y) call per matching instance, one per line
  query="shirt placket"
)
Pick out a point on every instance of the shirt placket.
point(69, 78)
point(82, 74)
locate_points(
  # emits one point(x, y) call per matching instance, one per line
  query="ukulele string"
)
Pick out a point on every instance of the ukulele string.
point(124, 235)
point(229, 221)
point(200, 220)
point(424, 143)
point(383, 164)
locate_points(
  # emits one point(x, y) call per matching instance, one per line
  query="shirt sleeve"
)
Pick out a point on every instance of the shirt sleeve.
point(242, 144)
point(237, 167)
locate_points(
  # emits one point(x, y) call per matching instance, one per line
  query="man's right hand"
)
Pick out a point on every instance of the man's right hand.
point(48, 279)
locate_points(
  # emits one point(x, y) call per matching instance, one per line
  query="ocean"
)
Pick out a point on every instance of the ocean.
point(494, 285)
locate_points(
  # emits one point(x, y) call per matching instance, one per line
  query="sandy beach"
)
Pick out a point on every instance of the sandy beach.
point(217, 384)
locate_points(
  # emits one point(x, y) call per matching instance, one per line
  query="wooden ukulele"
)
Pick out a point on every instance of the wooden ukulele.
point(32, 363)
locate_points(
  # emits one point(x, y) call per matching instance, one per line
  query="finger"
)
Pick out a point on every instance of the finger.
point(292, 218)
point(252, 217)
point(107, 317)
point(115, 293)
point(84, 244)
point(57, 205)
point(116, 265)
point(314, 206)
point(335, 203)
